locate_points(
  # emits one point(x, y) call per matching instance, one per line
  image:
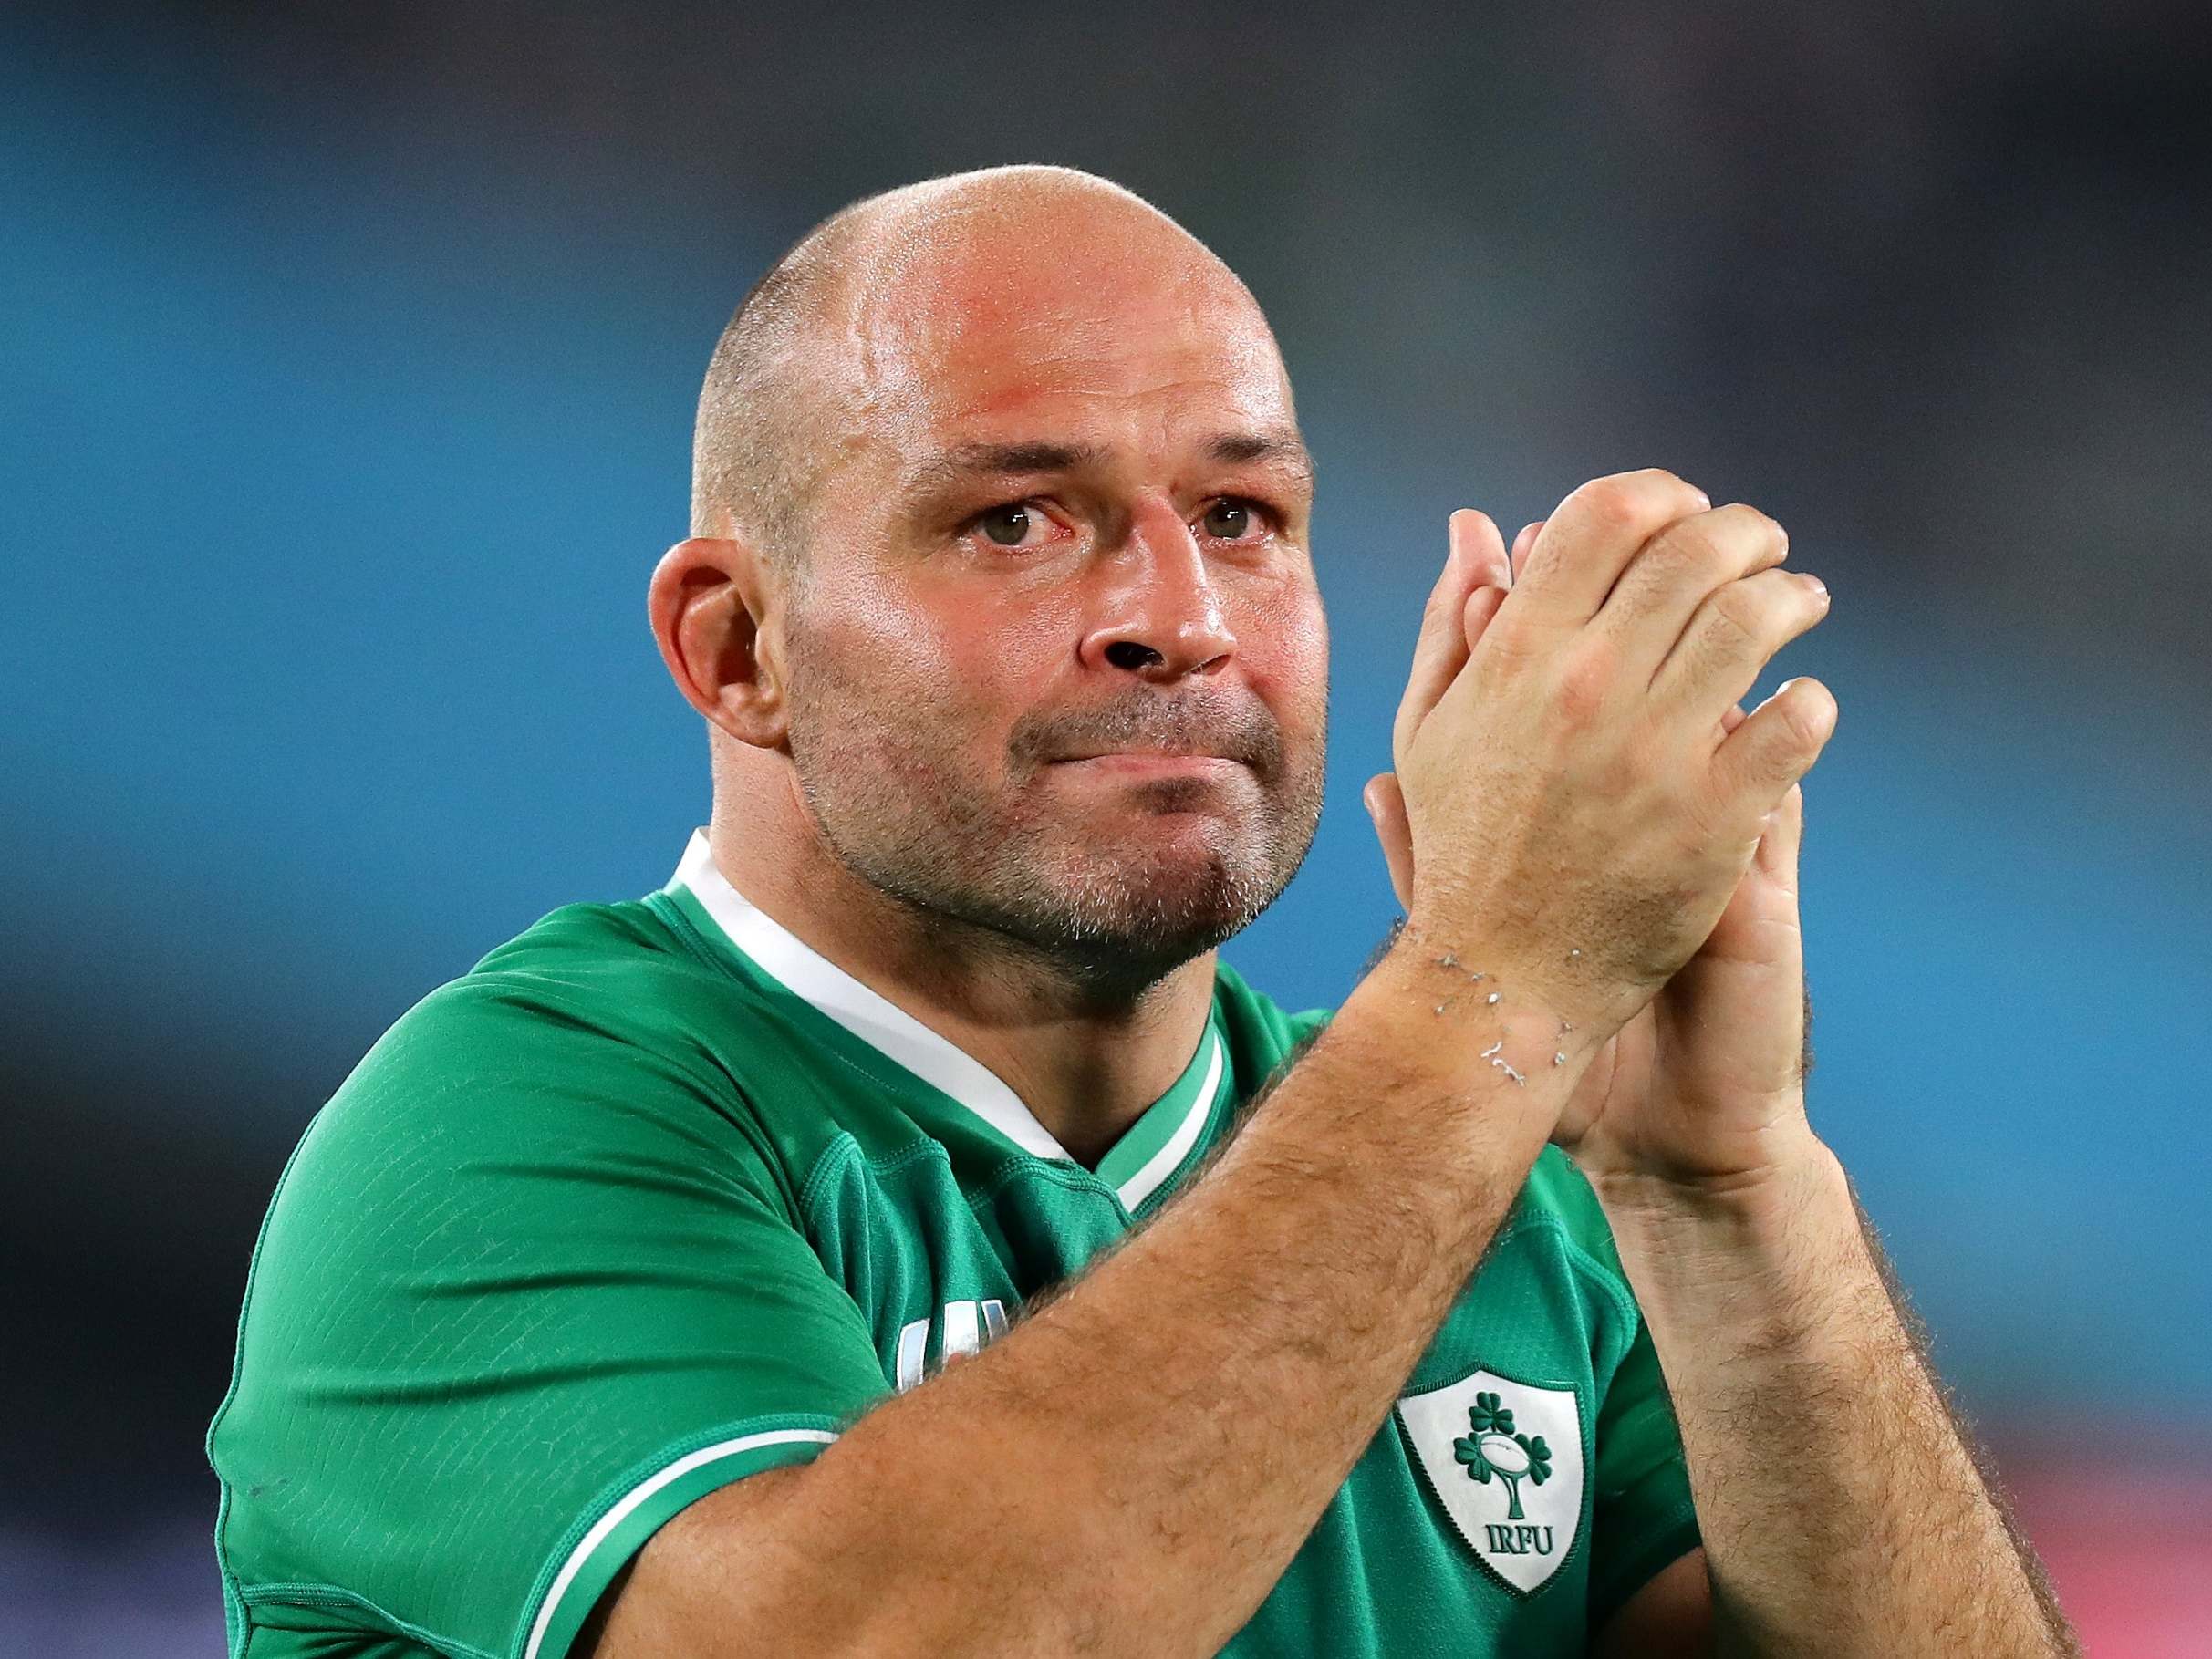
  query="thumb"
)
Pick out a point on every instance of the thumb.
point(1782, 837)
point(1386, 804)
point(1518, 560)
point(1777, 744)
point(1453, 621)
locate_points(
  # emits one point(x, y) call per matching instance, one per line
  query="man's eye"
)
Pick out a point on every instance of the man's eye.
point(1229, 519)
point(1009, 526)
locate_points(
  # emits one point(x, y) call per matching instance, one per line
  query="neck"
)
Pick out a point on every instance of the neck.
point(1085, 1053)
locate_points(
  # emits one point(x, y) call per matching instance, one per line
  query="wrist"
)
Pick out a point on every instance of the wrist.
point(1737, 1279)
point(1484, 1044)
point(1767, 1188)
point(1751, 1240)
point(1468, 987)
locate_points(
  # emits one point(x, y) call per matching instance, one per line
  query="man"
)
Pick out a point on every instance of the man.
point(876, 1241)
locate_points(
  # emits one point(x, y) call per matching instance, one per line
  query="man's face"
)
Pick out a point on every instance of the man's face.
point(1057, 665)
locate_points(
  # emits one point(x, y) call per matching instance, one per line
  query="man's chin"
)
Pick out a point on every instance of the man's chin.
point(1186, 900)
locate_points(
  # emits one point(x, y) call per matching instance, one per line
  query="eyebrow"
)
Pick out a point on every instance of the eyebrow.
point(964, 462)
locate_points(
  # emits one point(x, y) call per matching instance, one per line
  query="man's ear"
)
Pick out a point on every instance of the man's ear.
point(708, 608)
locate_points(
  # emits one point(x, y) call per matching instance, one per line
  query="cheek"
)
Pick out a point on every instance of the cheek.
point(1286, 657)
point(945, 676)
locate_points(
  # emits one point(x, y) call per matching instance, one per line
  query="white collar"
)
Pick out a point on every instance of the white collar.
point(900, 1037)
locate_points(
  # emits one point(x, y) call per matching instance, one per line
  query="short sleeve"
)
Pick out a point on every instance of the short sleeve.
point(526, 1290)
point(1642, 1517)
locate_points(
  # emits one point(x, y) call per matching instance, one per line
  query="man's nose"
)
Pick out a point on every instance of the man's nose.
point(1159, 616)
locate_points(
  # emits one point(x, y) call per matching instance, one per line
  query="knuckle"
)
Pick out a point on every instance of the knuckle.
point(1735, 619)
point(1509, 639)
point(1643, 501)
point(1657, 481)
point(1618, 500)
point(1692, 549)
point(1587, 679)
point(1742, 537)
point(1741, 519)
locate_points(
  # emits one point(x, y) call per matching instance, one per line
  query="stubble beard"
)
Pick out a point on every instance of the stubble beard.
point(1014, 860)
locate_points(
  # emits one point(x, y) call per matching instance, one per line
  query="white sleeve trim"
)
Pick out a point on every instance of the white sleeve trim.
point(622, 1512)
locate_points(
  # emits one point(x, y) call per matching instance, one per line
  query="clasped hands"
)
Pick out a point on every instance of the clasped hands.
point(1702, 1088)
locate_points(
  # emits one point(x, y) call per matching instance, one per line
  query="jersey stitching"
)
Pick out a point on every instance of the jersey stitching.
point(819, 1177)
point(738, 1111)
point(688, 936)
point(1073, 1177)
point(922, 1151)
point(325, 1595)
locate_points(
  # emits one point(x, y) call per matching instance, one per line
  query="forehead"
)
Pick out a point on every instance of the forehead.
point(1031, 330)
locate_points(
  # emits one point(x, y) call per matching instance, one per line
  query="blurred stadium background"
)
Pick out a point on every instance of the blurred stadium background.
point(347, 360)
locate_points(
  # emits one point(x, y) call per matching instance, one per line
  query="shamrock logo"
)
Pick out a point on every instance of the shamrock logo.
point(1491, 1447)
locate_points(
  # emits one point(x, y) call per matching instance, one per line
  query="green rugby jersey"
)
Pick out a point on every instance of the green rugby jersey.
point(657, 1196)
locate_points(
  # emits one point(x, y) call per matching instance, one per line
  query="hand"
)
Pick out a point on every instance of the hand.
point(1566, 751)
point(1706, 1083)
point(1477, 573)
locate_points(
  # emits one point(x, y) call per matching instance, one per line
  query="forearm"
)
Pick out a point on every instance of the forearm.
point(1132, 1467)
point(1842, 1504)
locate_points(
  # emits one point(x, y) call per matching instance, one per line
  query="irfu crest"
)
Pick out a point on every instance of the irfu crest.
point(1506, 1461)
point(1491, 1447)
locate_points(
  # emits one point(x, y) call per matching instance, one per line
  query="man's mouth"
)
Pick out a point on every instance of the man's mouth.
point(1153, 763)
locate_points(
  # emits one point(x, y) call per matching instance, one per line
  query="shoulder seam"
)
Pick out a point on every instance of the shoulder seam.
point(678, 924)
point(810, 1190)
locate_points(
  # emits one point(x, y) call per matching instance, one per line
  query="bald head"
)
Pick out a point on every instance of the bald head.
point(999, 475)
point(812, 364)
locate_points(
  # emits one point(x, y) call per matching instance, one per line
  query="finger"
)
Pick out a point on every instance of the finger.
point(1475, 620)
point(1677, 571)
point(1732, 717)
point(1477, 555)
point(1386, 806)
point(1733, 636)
point(1780, 842)
point(1523, 542)
point(1476, 544)
point(1575, 560)
point(1776, 746)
